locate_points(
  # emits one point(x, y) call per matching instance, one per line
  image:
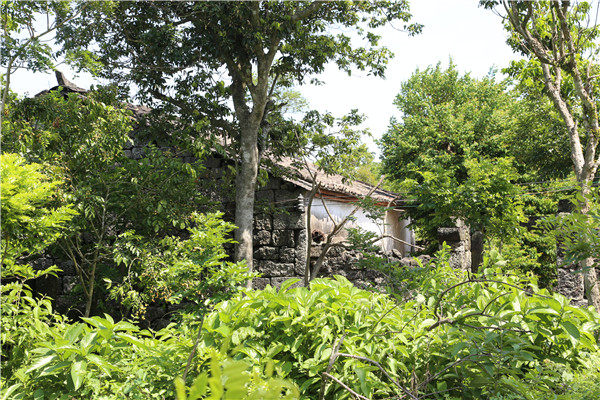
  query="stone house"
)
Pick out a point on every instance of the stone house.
point(280, 228)
point(280, 222)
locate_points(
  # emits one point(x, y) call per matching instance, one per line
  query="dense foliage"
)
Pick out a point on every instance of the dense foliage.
point(80, 139)
point(138, 230)
point(191, 46)
point(449, 152)
point(493, 335)
point(561, 49)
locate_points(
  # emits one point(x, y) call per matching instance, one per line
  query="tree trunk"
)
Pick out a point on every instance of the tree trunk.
point(560, 53)
point(590, 277)
point(245, 184)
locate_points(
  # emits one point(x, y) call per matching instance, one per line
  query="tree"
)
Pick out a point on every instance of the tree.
point(177, 53)
point(450, 154)
point(81, 139)
point(26, 38)
point(31, 220)
point(560, 39)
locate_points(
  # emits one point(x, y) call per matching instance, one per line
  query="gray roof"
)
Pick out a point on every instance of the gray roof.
point(300, 173)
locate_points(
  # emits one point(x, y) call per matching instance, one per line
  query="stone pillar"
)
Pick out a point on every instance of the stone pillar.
point(570, 282)
point(476, 250)
point(459, 240)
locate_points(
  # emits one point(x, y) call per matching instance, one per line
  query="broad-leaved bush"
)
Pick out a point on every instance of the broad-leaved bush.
point(464, 336)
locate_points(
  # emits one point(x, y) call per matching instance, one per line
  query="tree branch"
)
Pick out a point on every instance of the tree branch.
point(352, 392)
point(378, 365)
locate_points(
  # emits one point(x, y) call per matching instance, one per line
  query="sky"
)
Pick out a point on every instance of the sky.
point(473, 37)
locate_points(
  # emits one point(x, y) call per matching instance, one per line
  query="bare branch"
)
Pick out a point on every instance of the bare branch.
point(305, 12)
point(311, 196)
point(332, 358)
point(342, 384)
point(327, 209)
point(378, 365)
point(337, 228)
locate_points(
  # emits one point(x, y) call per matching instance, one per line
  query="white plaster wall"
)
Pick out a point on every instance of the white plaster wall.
point(339, 210)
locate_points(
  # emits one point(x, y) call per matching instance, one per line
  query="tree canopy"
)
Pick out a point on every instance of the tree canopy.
point(178, 54)
point(449, 151)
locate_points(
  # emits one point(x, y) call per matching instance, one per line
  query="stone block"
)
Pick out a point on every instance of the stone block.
point(42, 263)
point(286, 197)
point(67, 267)
point(139, 140)
point(570, 283)
point(406, 262)
point(137, 153)
point(154, 313)
point(273, 183)
point(457, 247)
point(62, 304)
point(277, 282)
point(299, 267)
point(461, 260)
point(270, 268)
point(287, 255)
point(397, 254)
point(212, 162)
point(260, 283)
point(266, 253)
point(49, 285)
point(449, 235)
point(283, 238)
point(263, 221)
point(300, 236)
point(293, 220)
point(262, 238)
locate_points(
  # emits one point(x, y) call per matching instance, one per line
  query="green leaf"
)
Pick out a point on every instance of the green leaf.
point(132, 340)
point(200, 386)
point(78, 371)
point(102, 364)
point(41, 363)
point(571, 329)
point(180, 388)
point(74, 332)
point(56, 367)
point(287, 284)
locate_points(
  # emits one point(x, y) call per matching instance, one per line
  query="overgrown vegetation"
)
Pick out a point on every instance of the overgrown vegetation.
point(139, 232)
point(450, 335)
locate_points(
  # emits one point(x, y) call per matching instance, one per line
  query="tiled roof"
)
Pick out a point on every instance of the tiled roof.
point(299, 173)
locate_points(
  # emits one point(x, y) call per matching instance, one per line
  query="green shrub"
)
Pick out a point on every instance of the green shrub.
point(236, 380)
point(173, 270)
point(101, 359)
point(467, 336)
point(30, 223)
